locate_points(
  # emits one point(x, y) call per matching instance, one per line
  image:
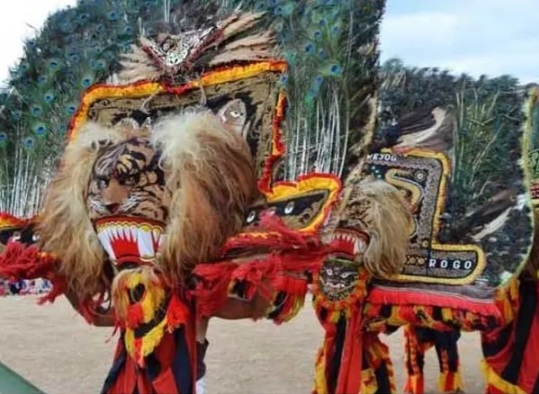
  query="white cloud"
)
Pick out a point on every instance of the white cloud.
point(18, 20)
point(473, 36)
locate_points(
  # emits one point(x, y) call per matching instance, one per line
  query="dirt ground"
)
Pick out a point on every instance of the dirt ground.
point(55, 350)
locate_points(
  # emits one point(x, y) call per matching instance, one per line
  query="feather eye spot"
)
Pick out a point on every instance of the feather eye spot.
point(42, 80)
point(309, 48)
point(36, 110)
point(40, 129)
point(48, 97)
point(336, 29)
point(29, 142)
point(335, 69)
point(74, 57)
point(84, 17)
point(3, 137)
point(71, 108)
point(259, 7)
point(54, 64)
point(87, 81)
point(113, 16)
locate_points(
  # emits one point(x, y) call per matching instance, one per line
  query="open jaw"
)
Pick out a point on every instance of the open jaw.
point(347, 243)
point(340, 272)
point(130, 240)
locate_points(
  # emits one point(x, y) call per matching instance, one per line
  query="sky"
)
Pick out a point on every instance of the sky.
point(490, 37)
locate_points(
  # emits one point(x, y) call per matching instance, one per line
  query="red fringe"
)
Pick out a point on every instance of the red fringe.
point(211, 290)
point(257, 276)
point(177, 312)
point(290, 285)
point(413, 298)
point(271, 233)
point(135, 315)
point(291, 255)
point(20, 261)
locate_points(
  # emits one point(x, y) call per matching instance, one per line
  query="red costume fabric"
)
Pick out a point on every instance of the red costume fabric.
point(512, 352)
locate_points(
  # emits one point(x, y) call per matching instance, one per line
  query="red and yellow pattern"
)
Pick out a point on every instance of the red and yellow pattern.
point(217, 76)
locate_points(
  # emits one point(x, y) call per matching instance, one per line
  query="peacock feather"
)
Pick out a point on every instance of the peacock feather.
point(331, 48)
point(76, 48)
point(485, 140)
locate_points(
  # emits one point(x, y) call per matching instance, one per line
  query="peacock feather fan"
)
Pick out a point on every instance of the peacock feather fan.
point(331, 48)
point(76, 48)
point(479, 125)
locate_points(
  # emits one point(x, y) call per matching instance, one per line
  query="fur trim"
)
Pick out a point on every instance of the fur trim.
point(63, 225)
point(390, 219)
point(211, 173)
point(532, 267)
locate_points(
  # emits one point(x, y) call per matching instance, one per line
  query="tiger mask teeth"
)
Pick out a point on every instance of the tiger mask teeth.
point(130, 240)
point(349, 241)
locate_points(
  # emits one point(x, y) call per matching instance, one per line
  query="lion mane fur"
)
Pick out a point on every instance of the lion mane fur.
point(64, 226)
point(389, 235)
point(215, 173)
point(387, 217)
point(209, 170)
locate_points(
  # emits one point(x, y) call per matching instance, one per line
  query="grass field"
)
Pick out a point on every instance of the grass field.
point(56, 351)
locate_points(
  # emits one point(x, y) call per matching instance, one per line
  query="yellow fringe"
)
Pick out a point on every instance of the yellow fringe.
point(298, 305)
point(304, 185)
point(493, 379)
point(148, 343)
point(369, 385)
point(413, 384)
point(320, 383)
point(457, 386)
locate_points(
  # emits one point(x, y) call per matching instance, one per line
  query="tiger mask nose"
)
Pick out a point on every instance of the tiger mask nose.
point(112, 208)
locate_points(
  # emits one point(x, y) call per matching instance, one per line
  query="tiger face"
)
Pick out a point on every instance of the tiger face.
point(371, 227)
point(126, 180)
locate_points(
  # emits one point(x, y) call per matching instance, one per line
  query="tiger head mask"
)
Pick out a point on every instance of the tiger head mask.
point(168, 196)
point(369, 227)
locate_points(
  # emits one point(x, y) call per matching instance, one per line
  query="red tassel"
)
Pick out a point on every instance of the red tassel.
point(177, 312)
point(211, 290)
point(290, 285)
point(26, 262)
point(135, 315)
point(59, 287)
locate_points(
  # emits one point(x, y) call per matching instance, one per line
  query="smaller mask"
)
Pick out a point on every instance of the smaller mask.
point(338, 279)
